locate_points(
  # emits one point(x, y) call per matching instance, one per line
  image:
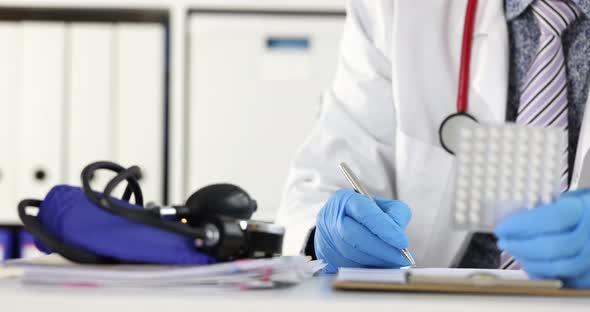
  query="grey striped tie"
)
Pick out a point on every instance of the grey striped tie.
point(543, 100)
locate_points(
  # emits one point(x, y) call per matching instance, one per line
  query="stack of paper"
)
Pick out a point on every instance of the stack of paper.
point(243, 274)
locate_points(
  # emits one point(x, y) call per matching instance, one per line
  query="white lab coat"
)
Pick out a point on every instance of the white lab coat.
point(396, 83)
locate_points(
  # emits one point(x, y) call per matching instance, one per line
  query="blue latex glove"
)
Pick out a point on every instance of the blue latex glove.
point(552, 241)
point(351, 231)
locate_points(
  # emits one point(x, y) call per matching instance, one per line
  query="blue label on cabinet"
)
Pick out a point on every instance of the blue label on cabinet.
point(287, 43)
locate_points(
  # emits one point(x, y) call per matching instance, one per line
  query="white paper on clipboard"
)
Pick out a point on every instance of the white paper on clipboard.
point(474, 277)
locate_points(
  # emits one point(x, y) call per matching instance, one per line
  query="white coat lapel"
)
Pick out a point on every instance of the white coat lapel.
point(581, 170)
point(490, 63)
point(425, 57)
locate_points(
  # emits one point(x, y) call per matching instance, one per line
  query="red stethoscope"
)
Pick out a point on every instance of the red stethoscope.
point(452, 125)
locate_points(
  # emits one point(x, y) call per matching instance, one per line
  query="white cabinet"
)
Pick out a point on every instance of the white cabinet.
point(32, 107)
point(74, 93)
point(139, 103)
point(41, 108)
point(11, 47)
point(255, 86)
point(239, 92)
point(90, 123)
point(116, 100)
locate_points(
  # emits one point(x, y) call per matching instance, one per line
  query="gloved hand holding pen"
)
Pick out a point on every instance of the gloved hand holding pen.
point(353, 231)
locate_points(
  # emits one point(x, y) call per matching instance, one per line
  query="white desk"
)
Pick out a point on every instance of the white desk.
point(314, 295)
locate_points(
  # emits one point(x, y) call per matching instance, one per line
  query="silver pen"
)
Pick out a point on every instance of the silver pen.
point(356, 184)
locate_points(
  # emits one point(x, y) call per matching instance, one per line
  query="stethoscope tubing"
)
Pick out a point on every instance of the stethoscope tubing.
point(465, 66)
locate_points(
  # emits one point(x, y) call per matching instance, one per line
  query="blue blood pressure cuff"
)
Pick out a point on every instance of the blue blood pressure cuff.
point(67, 215)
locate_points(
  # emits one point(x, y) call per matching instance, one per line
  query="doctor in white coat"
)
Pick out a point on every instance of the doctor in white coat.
point(396, 83)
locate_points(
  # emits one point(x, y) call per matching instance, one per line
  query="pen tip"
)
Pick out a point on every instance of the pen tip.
point(409, 257)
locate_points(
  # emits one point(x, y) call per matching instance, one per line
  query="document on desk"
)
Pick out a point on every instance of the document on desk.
point(446, 276)
point(242, 274)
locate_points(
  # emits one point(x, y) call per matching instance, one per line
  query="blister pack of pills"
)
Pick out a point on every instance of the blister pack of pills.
point(503, 168)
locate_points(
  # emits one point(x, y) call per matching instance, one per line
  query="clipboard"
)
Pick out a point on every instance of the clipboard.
point(474, 282)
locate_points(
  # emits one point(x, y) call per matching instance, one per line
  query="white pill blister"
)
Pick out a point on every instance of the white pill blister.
point(504, 168)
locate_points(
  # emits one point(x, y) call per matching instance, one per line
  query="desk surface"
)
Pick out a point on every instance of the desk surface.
point(313, 295)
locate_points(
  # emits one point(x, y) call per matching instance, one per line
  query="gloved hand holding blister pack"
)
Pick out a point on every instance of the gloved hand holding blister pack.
point(508, 181)
point(552, 241)
point(502, 169)
point(353, 231)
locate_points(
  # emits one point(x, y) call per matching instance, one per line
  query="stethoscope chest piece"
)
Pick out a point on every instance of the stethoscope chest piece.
point(450, 130)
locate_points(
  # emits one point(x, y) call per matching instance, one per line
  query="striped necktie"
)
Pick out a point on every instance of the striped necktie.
point(544, 96)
